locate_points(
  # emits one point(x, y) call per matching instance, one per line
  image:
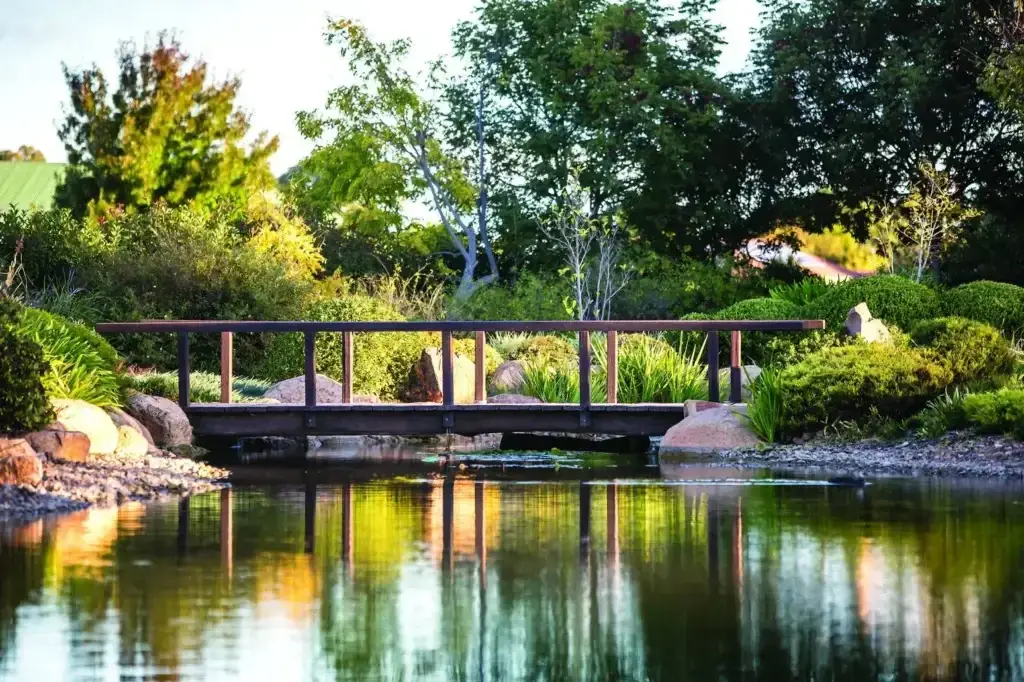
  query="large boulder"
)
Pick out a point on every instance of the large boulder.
point(65, 446)
point(164, 419)
point(19, 464)
point(122, 418)
point(861, 323)
point(78, 415)
point(425, 379)
point(293, 391)
point(130, 441)
point(508, 378)
point(718, 428)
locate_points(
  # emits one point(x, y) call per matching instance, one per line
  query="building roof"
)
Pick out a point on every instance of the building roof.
point(28, 184)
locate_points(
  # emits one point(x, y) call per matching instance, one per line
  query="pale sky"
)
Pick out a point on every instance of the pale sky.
point(275, 47)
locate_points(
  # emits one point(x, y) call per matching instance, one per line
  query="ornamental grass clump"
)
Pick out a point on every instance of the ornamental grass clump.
point(765, 408)
point(848, 383)
point(652, 371)
point(558, 384)
point(204, 387)
point(973, 351)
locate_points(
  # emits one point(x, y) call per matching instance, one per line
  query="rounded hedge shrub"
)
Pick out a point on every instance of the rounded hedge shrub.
point(996, 303)
point(467, 348)
point(765, 348)
point(972, 350)
point(999, 411)
point(546, 350)
point(24, 405)
point(851, 382)
point(896, 300)
point(381, 360)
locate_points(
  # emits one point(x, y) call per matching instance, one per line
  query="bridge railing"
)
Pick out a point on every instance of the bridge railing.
point(227, 328)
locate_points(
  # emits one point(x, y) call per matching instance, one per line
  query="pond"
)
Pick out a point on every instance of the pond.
point(488, 572)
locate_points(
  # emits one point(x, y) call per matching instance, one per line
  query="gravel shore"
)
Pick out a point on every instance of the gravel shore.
point(954, 455)
point(108, 480)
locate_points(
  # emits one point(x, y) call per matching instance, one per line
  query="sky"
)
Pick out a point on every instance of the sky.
point(275, 47)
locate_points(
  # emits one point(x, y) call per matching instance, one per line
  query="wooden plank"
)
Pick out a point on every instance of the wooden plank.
point(447, 370)
point(183, 370)
point(584, 369)
point(480, 363)
point(713, 392)
point(347, 376)
point(735, 367)
point(227, 359)
point(310, 363)
point(625, 326)
point(612, 365)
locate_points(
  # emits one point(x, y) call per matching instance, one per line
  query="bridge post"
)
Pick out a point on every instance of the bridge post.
point(612, 365)
point(480, 365)
point(735, 368)
point(183, 370)
point(585, 370)
point(447, 370)
point(310, 362)
point(713, 392)
point(347, 378)
point(227, 359)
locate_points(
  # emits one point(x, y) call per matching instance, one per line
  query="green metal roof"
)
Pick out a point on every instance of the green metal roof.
point(28, 184)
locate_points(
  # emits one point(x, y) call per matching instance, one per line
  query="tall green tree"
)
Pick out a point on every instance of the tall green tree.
point(622, 93)
point(166, 134)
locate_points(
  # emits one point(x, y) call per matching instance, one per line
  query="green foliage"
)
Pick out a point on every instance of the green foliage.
point(204, 387)
point(896, 300)
point(765, 408)
point(760, 309)
point(165, 135)
point(765, 348)
point(801, 293)
point(381, 360)
point(1001, 411)
point(83, 365)
point(529, 298)
point(651, 371)
point(508, 344)
point(996, 303)
point(973, 351)
point(944, 414)
point(24, 405)
point(467, 348)
point(546, 350)
point(558, 383)
point(848, 383)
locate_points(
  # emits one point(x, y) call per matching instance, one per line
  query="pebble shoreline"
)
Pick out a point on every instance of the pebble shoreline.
point(107, 480)
point(954, 455)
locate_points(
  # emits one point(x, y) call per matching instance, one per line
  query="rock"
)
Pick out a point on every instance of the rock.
point(293, 391)
point(122, 418)
point(718, 428)
point(64, 446)
point(78, 415)
point(691, 407)
point(514, 399)
point(15, 447)
point(508, 378)
point(425, 379)
point(188, 451)
point(131, 442)
point(21, 470)
point(748, 375)
point(165, 420)
point(860, 323)
point(363, 399)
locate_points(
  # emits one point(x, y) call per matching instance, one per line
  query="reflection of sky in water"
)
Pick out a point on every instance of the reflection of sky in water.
point(682, 581)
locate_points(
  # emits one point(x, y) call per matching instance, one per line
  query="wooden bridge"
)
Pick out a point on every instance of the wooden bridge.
point(348, 418)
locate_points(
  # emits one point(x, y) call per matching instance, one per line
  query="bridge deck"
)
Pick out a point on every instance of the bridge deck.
point(405, 419)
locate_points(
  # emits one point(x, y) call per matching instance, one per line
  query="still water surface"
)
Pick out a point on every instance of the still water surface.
point(344, 577)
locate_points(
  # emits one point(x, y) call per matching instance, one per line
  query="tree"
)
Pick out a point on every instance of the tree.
point(165, 135)
point(623, 91)
point(22, 153)
point(386, 122)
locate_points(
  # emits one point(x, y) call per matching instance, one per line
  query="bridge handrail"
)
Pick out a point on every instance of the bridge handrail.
point(227, 328)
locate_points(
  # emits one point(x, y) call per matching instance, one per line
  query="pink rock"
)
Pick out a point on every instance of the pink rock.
point(709, 430)
point(66, 446)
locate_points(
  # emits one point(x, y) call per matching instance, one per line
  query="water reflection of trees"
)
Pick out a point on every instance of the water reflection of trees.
point(468, 580)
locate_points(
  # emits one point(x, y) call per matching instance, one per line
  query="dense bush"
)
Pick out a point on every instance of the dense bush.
point(996, 303)
point(896, 300)
point(82, 364)
point(1000, 411)
point(546, 350)
point(855, 381)
point(381, 360)
point(529, 298)
point(467, 347)
point(972, 350)
point(23, 402)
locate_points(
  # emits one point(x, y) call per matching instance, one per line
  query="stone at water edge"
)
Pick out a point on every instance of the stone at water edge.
point(78, 415)
point(165, 420)
point(65, 446)
point(19, 464)
point(711, 430)
point(130, 441)
point(425, 379)
point(860, 323)
point(508, 378)
point(122, 418)
point(293, 391)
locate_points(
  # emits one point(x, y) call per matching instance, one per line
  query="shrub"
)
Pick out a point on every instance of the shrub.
point(1000, 411)
point(467, 348)
point(381, 360)
point(896, 300)
point(204, 387)
point(509, 344)
point(996, 303)
point(801, 293)
point(530, 298)
point(943, 414)
point(651, 371)
point(23, 402)
point(852, 382)
point(546, 350)
point(761, 347)
point(972, 350)
point(82, 364)
point(559, 384)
